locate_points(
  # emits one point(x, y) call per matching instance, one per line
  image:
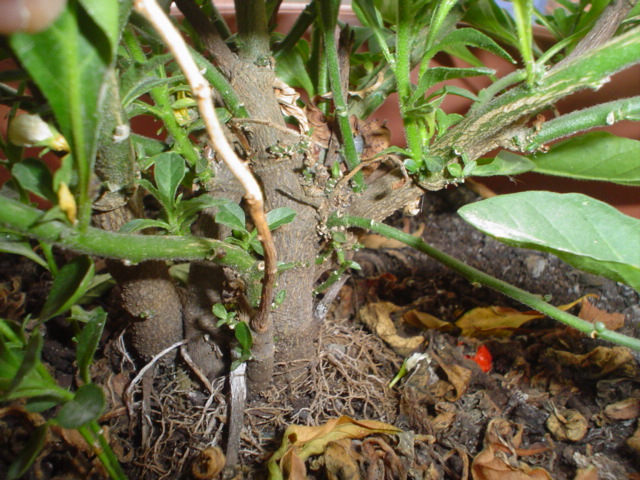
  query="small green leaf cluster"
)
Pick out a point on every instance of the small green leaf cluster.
point(337, 248)
point(232, 215)
point(242, 332)
point(177, 215)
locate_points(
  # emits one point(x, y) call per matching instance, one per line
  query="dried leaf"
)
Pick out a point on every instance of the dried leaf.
point(320, 131)
point(624, 409)
point(589, 473)
point(499, 321)
point(567, 425)
point(208, 464)
point(599, 362)
point(457, 375)
point(287, 98)
point(301, 442)
point(426, 321)
point(377, 316)
point(340, 462)
point(633, 441)
point(613, 321)
point(499, 458)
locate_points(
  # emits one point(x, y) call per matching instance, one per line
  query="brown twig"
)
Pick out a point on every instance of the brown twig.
point(203, 95)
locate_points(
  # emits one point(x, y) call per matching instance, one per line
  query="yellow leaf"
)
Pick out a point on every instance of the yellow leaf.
point(499, 321)
point(426, 321)
point(377, 316)
point(300, 442)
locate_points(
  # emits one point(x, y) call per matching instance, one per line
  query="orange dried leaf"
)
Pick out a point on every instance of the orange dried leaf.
point(613, 321)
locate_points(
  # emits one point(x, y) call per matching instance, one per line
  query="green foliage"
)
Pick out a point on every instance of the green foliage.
point(231, 215)
point(69, 62)
point(242, 333)
point(582, 231)
point(593, 156)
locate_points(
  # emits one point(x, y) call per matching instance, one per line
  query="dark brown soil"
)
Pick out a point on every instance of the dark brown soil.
point(555, 404)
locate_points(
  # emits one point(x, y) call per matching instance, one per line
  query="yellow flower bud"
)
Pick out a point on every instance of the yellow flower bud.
point(31, 131)
point(67, 202)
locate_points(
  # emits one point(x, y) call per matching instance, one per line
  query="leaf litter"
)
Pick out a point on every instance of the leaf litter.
point(554, 404)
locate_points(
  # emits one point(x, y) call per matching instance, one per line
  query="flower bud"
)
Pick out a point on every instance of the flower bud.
point(31, 131)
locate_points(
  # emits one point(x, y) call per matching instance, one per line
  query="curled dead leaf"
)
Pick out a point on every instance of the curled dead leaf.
point(567, 425)
point(377, 316)
point(300, 442)
point(599, 362)
point(208, 464)
point(340, 461)
point(457, 375)
point(499, 458)
point(633, 441)
point(624, 409)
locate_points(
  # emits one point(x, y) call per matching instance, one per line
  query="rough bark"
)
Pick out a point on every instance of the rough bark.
point(148, 294)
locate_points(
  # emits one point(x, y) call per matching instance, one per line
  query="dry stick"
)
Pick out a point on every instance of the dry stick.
point(253, 195)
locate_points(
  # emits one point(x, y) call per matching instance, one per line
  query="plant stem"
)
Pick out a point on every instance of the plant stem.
point(221, 84)
point(602, 115)
point(20, 218)
point(102, 449)
point(477, 133)
point(329, 16)
point(253, 36)
point(476, 276)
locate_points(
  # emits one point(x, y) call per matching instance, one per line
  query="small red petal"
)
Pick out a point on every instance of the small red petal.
point(483, 358)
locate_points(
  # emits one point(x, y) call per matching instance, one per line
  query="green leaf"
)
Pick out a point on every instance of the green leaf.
point(292, 68)
point(523, 13)
point(70, 284)
point(472, 38)
point(188, 208)
point(593, 156)
point(169, 170)
point(88, 341)
point(87, 405)
point(580, 230)
point(27, 456)
point(138, 224)
point(280, 216)
point(34, 176)
point(105, 15)
point(243, 335)
point(68, 62)
point(29, 361)
point(505, 163)
point(232, 216)
point(219, 311)
point(437, 75)
point(19, 247)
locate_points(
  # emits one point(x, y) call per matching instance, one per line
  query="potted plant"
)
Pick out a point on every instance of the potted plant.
point(257, 194)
